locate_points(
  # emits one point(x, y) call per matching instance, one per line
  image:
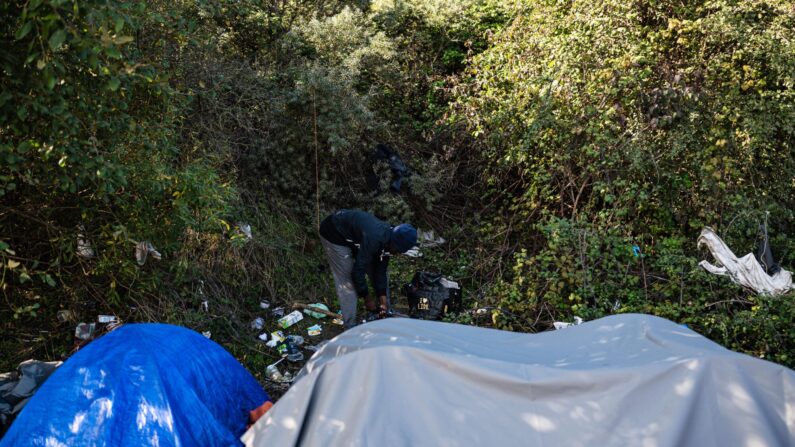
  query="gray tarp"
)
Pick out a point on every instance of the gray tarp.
point(625, 380)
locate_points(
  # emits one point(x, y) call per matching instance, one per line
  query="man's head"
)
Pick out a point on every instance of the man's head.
point(404, 237)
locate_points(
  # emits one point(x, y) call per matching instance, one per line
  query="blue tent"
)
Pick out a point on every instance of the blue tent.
point(142, 384)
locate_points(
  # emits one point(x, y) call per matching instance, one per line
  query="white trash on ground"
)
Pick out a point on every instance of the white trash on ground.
point(425, 239)
point(563, 324)
point(85, 331)
point(258, 323)
point(428, 239)
point(244, 229)
point(144, 249)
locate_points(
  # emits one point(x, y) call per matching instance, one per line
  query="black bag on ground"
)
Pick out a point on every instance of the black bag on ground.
point(431, 296)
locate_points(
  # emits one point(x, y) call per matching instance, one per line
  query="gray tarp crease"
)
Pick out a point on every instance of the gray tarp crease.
point(625, 380)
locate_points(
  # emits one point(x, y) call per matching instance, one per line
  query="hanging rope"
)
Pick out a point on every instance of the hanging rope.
point(317, 165)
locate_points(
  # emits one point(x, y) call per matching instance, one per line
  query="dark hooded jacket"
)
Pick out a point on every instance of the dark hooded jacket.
point(368, 237)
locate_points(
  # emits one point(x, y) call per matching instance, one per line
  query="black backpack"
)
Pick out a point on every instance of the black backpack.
point(431, 296)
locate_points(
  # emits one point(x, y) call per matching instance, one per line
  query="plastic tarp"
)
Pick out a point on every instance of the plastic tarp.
point(745, 271)
point(18, 386)
point(625, 380)
point(142, 384)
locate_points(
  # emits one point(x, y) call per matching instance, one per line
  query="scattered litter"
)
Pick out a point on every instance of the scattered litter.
point(65, 315)
point(288, 349)
point(276, 338)
point(616, 305)
point(263, 336)
point(272, 373)
point(414, 253)
point(295, 339)
point(206, 306)
point(314, 330)
point(258, 323)
point(200, 289)
point(85, 331)
point(207, 334)
point(425, 239)
point(429, 239)
point(244, 229)
point(144, 249)
point(264, 304)
point(449, 284)
point(84, 249)
point(277, 335)
point(106, 318)
point(290, 319)
point(314, 314)
point(745, 271)
point(636, 251)
point(113, 325)
point(278, 312)
point(562, 324)
point(338, 321)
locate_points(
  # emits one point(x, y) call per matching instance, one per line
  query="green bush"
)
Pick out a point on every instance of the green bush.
point(90, 131)
point(608, 125)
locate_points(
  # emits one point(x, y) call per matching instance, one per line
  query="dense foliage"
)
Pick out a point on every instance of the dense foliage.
point(569, 151)
point(611, 125)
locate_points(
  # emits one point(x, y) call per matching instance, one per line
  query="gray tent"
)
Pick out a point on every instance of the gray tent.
point(625, 380)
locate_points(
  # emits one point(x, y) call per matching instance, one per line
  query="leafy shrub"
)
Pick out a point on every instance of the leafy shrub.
point(607, 125)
